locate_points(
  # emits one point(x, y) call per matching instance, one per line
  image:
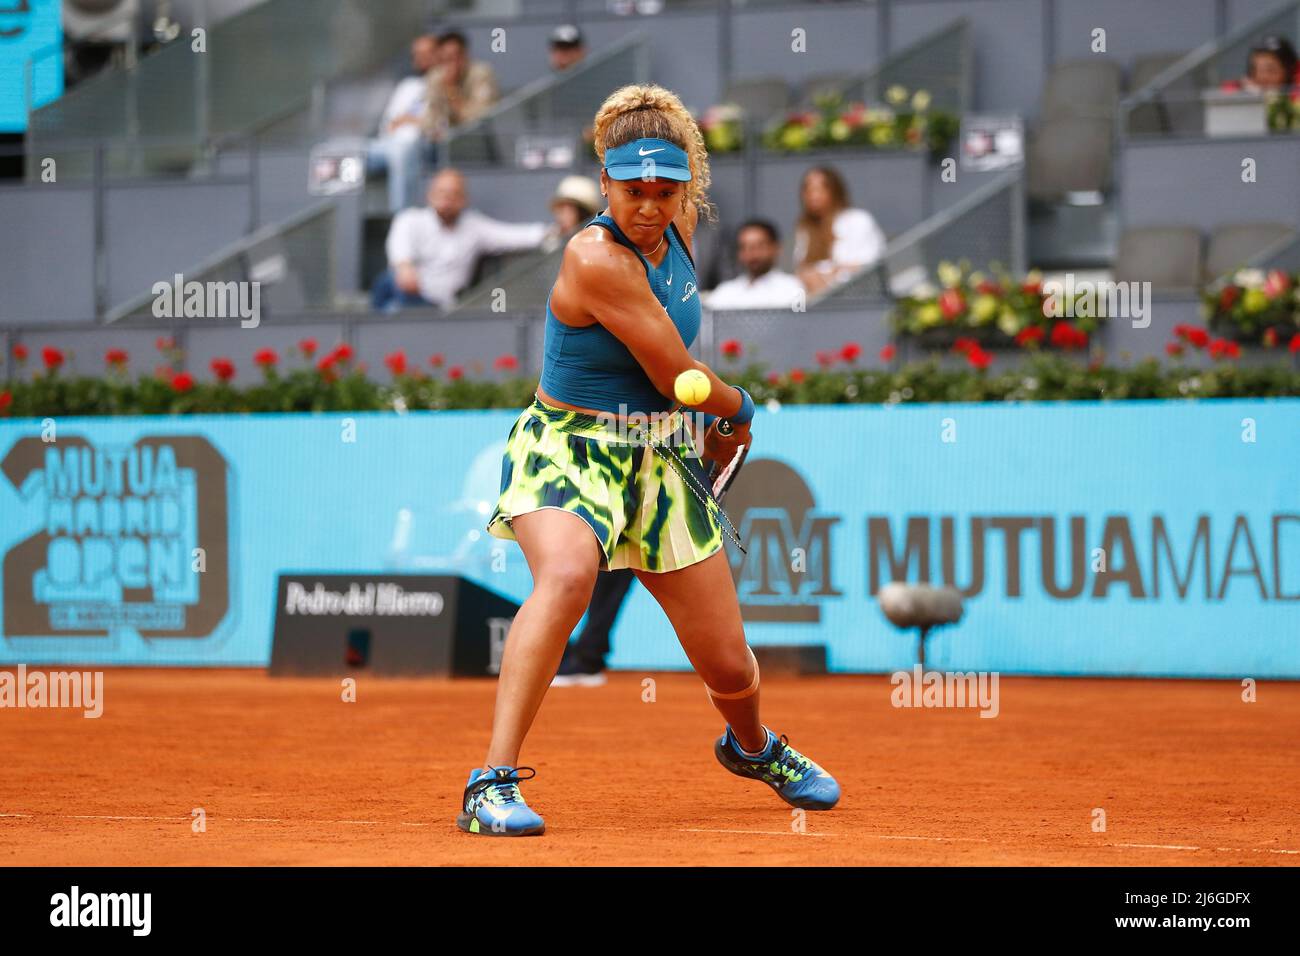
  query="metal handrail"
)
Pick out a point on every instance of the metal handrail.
point(1196, 58)
point(230, 251)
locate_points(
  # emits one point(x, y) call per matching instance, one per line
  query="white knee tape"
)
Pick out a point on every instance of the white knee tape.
point(739, 694)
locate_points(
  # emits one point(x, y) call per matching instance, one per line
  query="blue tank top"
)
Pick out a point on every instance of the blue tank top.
point(589, 366)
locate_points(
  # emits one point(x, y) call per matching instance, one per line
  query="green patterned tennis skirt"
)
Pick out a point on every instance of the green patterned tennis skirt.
point(644, 512)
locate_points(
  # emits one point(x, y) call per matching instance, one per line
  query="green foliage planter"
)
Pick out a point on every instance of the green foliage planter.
point(1040, 377)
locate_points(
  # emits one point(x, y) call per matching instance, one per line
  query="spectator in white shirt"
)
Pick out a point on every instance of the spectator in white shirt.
point(761, 286)
point(400, 144)
point(432, 251)
point(832, 239)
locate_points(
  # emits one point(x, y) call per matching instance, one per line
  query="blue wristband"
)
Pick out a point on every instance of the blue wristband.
point(746, 413)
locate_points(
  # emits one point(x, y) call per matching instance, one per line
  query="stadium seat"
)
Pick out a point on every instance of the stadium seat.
point(1082, 88)
point(1233, 246)
point(1067, 155)
point(1169, 257)
point(759, 98)
point(1160, 115)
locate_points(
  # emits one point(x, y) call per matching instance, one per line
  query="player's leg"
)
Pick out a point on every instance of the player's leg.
point(564, 558)
point(700, 601)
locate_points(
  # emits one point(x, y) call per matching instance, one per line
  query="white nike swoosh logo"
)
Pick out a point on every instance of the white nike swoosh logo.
point(670, 280)
point(647, 152)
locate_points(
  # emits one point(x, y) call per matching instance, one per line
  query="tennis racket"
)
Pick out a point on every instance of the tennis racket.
point(722, 476)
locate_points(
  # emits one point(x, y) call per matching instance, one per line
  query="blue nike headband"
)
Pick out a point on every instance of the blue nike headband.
point(649, 159)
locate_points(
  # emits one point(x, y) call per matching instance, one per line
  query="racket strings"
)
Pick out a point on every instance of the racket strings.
point(707, 500)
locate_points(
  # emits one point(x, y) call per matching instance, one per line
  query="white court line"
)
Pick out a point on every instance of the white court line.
point(758, 832)
point(868, 836)
point(1217, 849)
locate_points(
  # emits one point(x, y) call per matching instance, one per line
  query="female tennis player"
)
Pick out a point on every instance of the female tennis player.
point(588, 484)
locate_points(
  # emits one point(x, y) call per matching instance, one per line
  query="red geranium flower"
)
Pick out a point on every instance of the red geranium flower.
point(1294, 347)
point(20, 352)
point(732, 348)
point(887, 353)
point(1224, 348)
point(1228, 297)
point(307, 347)
point(115, 357)
point(773, 378)
point(6, 400)
point(1174, 348)
point(52, 357)
point(507, 362)
point(396, 362)
point(796, 374)
point(951, 304)
point(164, 343)
point(437, 360)
point(342, 352)
point(1270, 338)
point(266, 358)
point(1032, 288)
point(223, 368)
point(978, 358)
point(455, 372)
point(1030, 335)
point(1276, 283)
point(988, 287)
point(1066, 336)
point(964, 345)
point(825, 359)
point(850, 351)
point(182, 382)
point(1198, 337)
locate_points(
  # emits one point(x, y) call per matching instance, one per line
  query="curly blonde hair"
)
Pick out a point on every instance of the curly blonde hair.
point(647, 111)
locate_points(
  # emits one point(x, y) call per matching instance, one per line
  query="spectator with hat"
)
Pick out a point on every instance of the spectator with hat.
point(576, 200)
point(567, 47)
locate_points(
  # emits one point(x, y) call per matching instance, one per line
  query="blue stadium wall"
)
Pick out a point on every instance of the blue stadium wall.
point(1144, 538)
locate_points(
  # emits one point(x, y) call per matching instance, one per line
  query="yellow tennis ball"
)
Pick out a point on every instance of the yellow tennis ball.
point(691, 387)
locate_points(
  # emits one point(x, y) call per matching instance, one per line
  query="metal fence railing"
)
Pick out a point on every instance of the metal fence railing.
point(256, 68)
point(291, 262)
point(940, 64)
point(1173, 103)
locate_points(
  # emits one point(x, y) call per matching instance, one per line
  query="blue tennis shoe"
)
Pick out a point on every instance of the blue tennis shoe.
point(795, 778)
point(493, 805)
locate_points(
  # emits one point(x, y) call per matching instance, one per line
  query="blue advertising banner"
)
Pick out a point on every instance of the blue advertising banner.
point(31, 32)
point(1143, 538)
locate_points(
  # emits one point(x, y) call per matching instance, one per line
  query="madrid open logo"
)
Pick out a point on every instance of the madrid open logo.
point(126, 537)
point(785, 572)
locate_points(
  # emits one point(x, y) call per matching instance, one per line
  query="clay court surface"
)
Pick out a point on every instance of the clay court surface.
point(288, 774)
